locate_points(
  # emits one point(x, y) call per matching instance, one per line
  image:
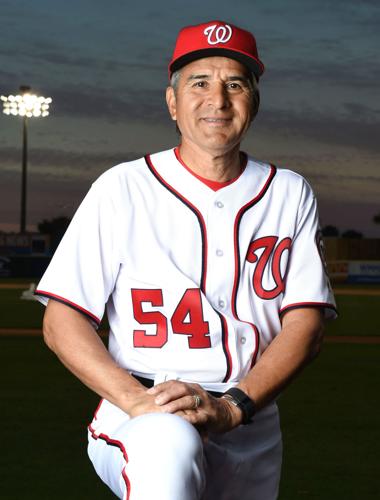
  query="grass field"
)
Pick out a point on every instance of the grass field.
point(44, 415)
point(330, 416)
point(330, 420)
point(358, 313)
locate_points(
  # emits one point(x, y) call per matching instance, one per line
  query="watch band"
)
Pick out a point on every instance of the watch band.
point(240, 399)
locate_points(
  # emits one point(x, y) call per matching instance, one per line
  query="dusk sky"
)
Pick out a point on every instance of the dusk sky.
point(104, 63)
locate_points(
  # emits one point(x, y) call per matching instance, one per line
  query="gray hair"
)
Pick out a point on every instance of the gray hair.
point(252, 82)
point(174, 80)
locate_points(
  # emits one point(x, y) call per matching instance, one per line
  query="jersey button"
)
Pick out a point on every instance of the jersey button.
point(243, 340)
point(219, 204)
point(221, 303)
point(219, 252)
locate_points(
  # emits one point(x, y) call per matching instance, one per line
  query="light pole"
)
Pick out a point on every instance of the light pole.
point(26, 105)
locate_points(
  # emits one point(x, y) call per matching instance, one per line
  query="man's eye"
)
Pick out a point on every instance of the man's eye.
point(234, 86)
point(200, 84)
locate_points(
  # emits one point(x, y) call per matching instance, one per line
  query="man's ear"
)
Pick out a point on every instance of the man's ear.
point(171, 102)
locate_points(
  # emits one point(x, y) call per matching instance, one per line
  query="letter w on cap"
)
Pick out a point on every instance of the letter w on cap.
point(220, 35)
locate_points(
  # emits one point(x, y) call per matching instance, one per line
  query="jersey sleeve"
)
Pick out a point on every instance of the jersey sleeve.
point(307, 281)
point(84, 268)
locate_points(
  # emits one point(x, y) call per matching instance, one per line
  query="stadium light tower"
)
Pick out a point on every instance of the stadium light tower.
point(26, 105)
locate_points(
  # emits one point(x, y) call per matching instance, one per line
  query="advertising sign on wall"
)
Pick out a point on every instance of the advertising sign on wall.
point(364, 272)
point(354, 271)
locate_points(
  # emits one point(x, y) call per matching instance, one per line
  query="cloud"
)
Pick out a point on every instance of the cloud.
point(363, 113)
point(7, 79)
point(359, 76)
point(56, 163)
point(351, 3)
point(57, 57)
point(355, 130)
point(102, 104)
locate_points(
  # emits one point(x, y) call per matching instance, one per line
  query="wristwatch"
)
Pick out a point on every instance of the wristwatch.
point(239, 398)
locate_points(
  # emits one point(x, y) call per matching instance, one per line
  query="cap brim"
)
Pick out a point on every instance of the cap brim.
point(254, 65)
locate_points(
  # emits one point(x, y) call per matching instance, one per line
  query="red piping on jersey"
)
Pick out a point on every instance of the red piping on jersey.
point(117, 444)
point(226, 348)
point(194, 209)
point(308, 304)
point(68, 303)
point(214, 185)
point(202, 225)
point(98, 408)
point(238, 219)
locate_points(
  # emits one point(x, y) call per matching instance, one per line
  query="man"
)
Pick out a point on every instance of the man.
point(208, 262)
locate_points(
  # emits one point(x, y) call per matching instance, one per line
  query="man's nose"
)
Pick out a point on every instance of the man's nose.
point(218, 96)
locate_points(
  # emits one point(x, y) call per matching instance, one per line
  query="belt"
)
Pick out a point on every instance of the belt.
point(147, 382)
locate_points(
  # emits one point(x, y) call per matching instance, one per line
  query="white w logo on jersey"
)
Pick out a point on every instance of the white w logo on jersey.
point(220, 35)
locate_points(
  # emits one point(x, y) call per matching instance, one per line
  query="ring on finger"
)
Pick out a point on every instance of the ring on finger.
point(197, 401)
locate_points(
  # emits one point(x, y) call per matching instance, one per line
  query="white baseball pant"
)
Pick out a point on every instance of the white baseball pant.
point(161, 456)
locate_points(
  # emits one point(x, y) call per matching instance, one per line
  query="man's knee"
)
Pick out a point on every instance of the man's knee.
point(162, 436)
point(165, 451)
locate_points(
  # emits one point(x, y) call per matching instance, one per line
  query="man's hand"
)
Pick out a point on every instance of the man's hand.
point(140, 402)
point(212, 414)
point(72, 337)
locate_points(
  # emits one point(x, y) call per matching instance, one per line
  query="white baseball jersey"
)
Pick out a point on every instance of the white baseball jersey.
point(194, 280)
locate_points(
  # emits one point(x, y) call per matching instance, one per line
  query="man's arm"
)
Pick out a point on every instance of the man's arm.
point(295, 346)
point(70, 335)
point(73, 339)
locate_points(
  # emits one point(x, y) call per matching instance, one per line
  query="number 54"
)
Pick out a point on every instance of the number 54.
point(187, 319)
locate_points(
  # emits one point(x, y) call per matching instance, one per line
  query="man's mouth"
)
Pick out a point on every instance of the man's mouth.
point(216, 121)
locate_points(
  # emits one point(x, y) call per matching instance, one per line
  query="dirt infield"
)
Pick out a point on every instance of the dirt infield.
point(357, 291)
point(14, 286)
point(347, 290)
point(337, 339)
point(351, 339)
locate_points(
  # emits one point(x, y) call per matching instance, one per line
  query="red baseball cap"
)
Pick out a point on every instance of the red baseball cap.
point(216, 38)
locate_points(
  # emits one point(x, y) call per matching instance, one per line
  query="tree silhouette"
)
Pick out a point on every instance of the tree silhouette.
point(55, 228)
point(376, 218)
point(351, 233)
point(330, 231)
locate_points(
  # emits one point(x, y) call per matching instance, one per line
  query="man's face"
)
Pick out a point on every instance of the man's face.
point(212, 104)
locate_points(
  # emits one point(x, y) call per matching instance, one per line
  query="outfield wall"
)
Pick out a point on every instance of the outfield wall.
point(352, 249)
point(344, 271)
